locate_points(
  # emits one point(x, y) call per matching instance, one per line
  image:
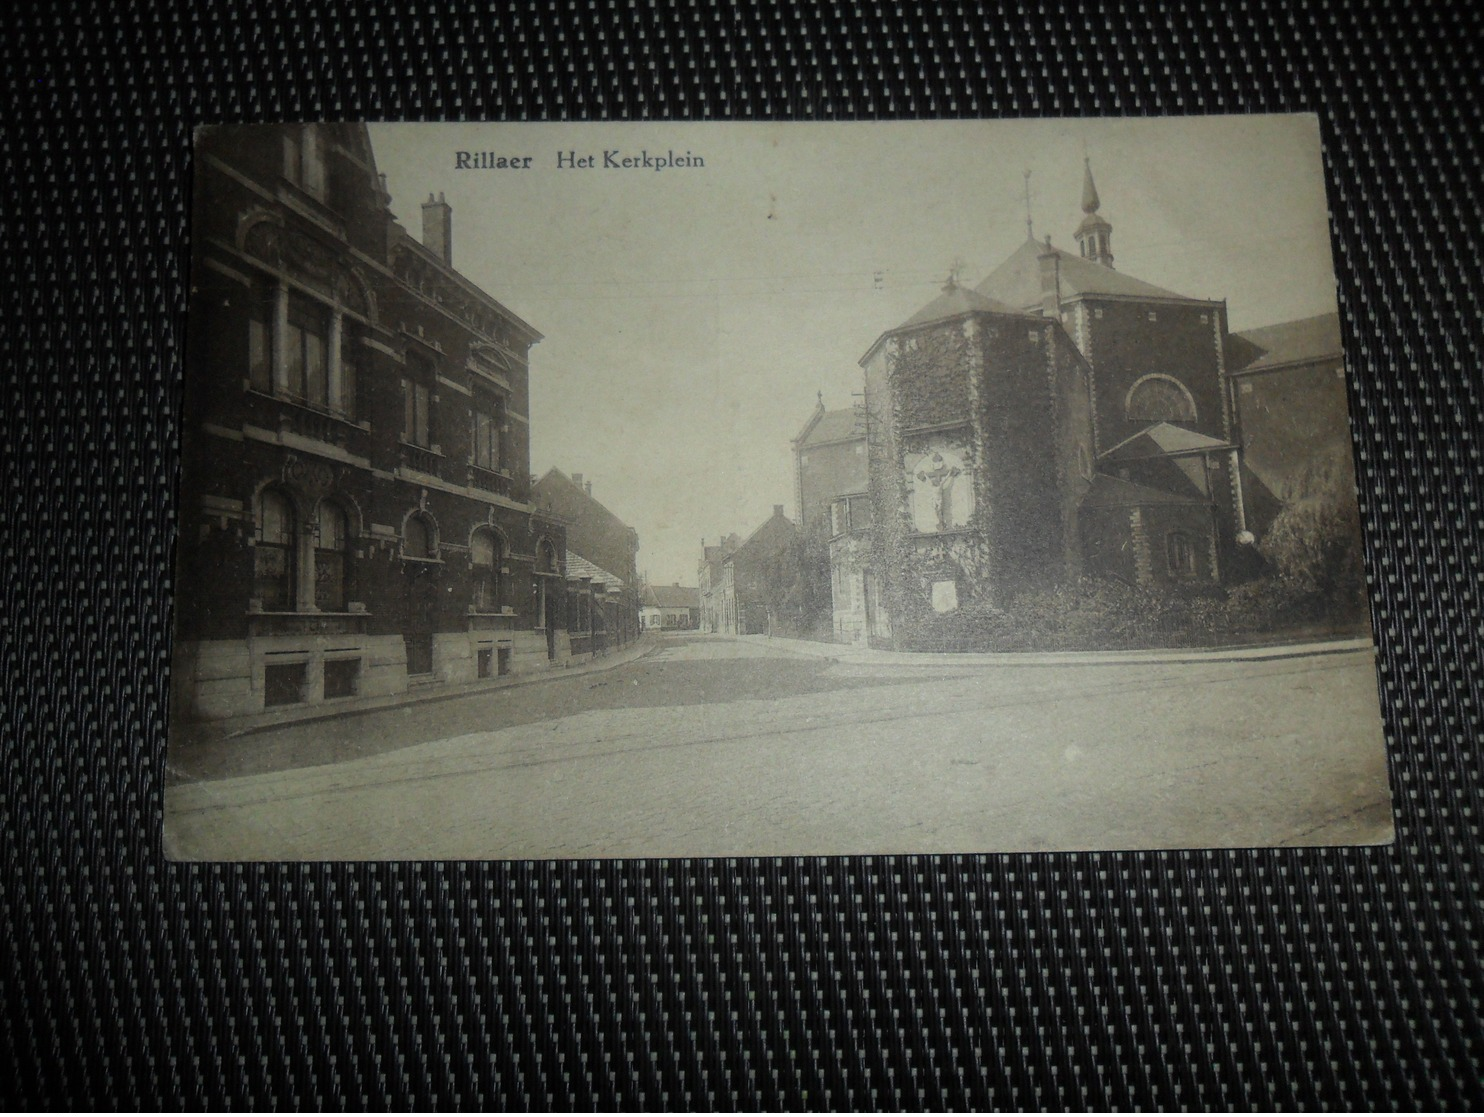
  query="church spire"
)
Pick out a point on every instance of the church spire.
point(1094, 235)
point(1090, 201)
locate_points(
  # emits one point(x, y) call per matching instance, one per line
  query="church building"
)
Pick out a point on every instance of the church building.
point(1060, 419)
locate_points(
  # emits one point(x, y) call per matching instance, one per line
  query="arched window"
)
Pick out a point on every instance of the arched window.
point(485, 555)
point(419, 539)
point(331, 558)
point(1180, 553)
point(1157, 398)
point(546, 558)
point(273, 552)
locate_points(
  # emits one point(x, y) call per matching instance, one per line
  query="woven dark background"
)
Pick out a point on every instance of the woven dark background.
point(1205, 979)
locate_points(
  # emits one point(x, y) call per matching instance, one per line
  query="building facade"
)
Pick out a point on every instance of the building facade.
point(709, 576)
point(602, 539)
point(356, 506)
point(829, 462)
point(673, 608)
point(761, 590)
point(1065, 419)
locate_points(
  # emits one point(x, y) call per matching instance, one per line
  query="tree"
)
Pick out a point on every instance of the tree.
point(1315, 543)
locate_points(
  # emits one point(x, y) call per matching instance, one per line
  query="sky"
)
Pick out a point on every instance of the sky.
point(692, 315)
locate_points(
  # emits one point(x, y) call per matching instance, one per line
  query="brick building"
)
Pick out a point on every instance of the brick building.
point(356, 508)
point(709, 577)
point(1064, 419)
point(595, 533)
point(829, 463)
point(761, 585)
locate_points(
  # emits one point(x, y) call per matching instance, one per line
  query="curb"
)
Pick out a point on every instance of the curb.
point(1134, 657)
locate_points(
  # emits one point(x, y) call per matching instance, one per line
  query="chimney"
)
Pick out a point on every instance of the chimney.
point(778, 510)
point(1050, 281)
point(438, 229)
point(588, 488)
point(577, 480)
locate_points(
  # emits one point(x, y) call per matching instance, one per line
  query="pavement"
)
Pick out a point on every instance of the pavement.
point(1251, 653)
point(751, 747)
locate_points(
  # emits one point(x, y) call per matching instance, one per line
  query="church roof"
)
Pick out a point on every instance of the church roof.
point(1114, 492)
point(1017, 282)
point(832, 426)
point(954, 301)
point(1291, 343)
point(1161, 440)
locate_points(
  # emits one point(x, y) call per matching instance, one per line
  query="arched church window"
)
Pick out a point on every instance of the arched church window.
point(942, 491)
point(273, 552)
point(1158, 398)
point(331, 557)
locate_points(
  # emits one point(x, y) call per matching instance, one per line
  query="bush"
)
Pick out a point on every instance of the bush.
point(1093, 614)
point(1314, 543)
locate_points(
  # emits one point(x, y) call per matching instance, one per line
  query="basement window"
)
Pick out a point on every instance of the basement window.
point(341, 676)
point(283, 684)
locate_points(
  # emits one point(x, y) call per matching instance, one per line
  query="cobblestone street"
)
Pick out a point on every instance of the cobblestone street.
point(717, 747)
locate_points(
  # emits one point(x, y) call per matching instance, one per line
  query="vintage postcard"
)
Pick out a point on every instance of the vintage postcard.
point(690, 490)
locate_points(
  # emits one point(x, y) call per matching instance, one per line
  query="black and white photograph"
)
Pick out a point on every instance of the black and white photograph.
point(592, 491)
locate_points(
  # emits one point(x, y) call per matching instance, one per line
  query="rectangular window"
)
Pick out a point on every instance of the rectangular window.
point(283, 684)
point(260, 345)
point(485, 437)
point(329, 580)
point(416, 428)
point(419, 652)
point(346, 404)
point(306, 353)
point(341, 676)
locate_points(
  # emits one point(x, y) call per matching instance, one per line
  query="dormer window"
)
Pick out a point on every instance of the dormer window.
point(304, 160)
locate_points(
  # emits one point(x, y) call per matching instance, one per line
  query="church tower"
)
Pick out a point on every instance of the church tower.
point(1094, 235)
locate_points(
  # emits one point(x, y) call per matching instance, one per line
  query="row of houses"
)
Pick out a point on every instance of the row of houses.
point(1060, 420)
point(358, 514)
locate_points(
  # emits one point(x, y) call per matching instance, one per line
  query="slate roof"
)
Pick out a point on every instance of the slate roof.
point(1160, 440)
point(834, 426)
point(1114, 492)
point(1290, 343)
point(1017, 282)
point(672, 597)
point(954, 301)
point(579, 567)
